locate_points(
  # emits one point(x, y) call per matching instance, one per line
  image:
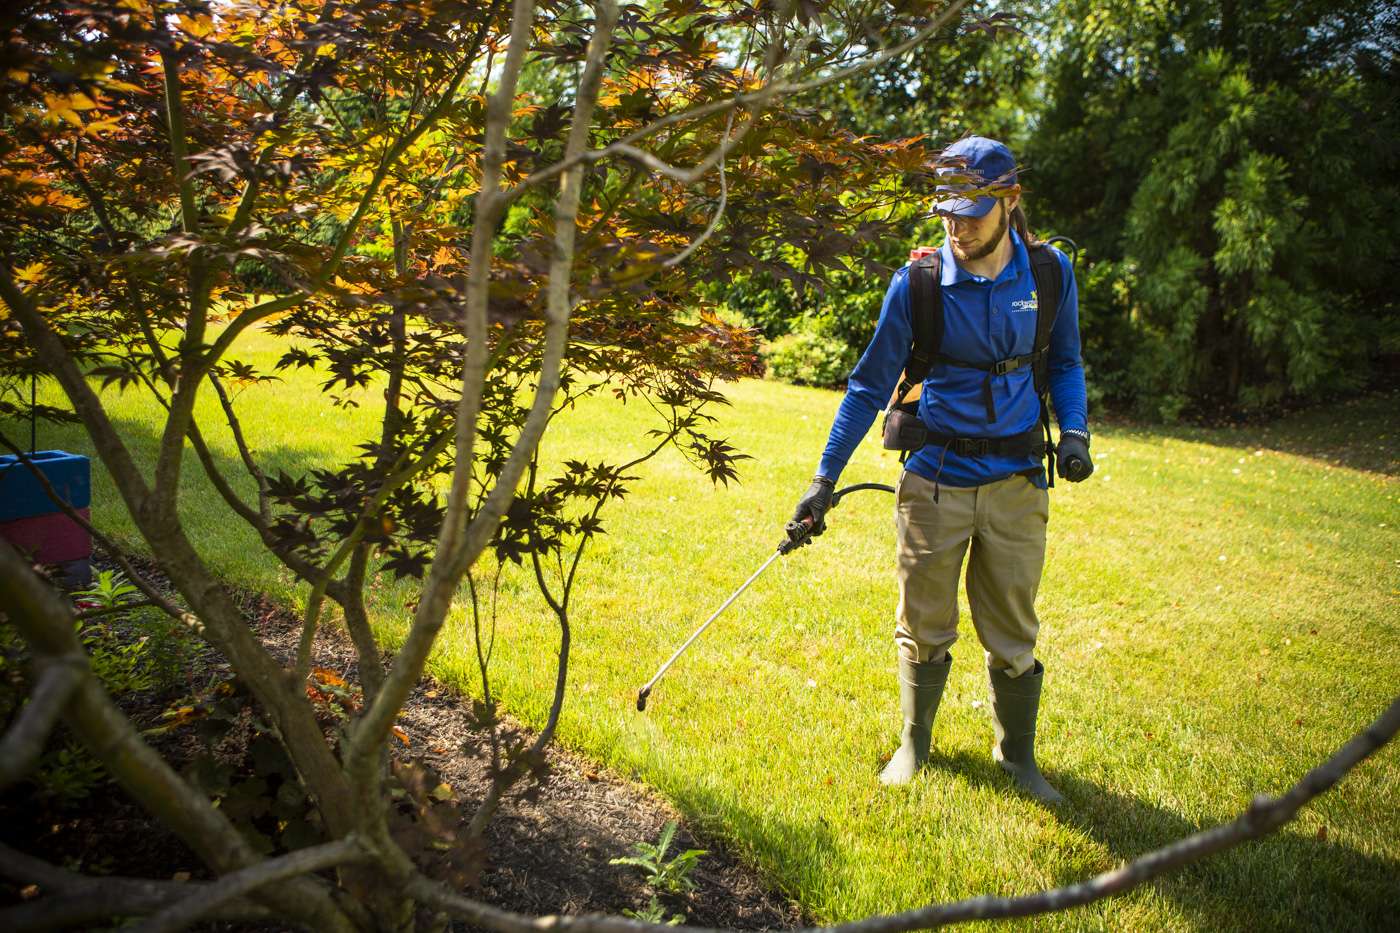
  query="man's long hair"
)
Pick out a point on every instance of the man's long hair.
point(1022, 226)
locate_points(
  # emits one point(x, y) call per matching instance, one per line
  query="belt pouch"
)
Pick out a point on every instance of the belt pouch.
point(903, 428)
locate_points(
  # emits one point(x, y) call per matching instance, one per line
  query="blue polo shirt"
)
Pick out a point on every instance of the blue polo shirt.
point(984, 320)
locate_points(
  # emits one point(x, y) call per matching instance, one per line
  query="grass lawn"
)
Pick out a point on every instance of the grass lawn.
point(1220, 609)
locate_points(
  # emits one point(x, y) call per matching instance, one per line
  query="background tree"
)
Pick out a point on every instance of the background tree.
point(1226, 167)
point(368, 180)
point(1243, 159)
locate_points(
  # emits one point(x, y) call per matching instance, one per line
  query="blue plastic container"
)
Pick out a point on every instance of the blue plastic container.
point(21, 495)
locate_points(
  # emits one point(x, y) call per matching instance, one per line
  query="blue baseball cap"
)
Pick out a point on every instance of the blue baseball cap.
point(985, 162)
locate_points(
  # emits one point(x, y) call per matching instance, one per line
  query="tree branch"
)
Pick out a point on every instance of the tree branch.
point(172, 442)
point(179, 151)
point(401, 474)
point(99, 206)
point(443, 576)
point(221, 483)
point(288, 96)
point(773, 89)
point(161, 529)
point(386, 165)
point(24, 743)
point(230, 887)
point(236, 427)
point(250, 316)
point(357, 623)
point(695, 244)
point(303, 568)
point(461, 553)
point(76, 900)
point(503, 780)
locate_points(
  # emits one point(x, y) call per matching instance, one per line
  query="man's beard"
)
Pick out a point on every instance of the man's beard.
point(987, 246)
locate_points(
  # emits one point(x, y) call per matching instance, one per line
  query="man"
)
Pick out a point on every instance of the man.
point(984, 499)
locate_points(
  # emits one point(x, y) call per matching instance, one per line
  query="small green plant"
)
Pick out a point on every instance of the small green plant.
point(68, 774)
point(110, 590)
point(671, 876)
point(121, 667)
point(655, 912)
point(133, 647)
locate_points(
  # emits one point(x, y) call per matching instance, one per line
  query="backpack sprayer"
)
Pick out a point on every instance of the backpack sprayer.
point(799, 533)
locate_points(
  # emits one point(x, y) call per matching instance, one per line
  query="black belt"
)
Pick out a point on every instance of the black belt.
point(1029, 444)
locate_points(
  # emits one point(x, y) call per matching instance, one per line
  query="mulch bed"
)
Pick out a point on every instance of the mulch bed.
point(549, 849)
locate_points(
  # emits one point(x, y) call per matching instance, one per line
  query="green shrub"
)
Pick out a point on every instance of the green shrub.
point(809, 358)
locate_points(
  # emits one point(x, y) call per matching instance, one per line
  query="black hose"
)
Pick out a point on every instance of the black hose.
point(857, 488)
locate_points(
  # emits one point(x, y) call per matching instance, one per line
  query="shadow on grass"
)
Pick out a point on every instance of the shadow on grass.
point(1283, 881)
point(757, 839)
point(1361, 433)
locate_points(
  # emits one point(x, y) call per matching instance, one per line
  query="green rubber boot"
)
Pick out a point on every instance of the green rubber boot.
point(920, 688)
point(1015, 702)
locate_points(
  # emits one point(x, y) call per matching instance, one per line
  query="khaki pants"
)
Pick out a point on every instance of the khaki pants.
point(1004, 522)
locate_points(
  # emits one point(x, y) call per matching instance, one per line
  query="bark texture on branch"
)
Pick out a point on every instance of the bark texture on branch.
point(72, 900)
point(230, 887)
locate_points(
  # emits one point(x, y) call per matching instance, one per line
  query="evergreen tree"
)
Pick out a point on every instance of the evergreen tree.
point(1229, 168)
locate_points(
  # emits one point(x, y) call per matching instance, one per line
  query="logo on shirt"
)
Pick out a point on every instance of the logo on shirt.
point(1026, 304)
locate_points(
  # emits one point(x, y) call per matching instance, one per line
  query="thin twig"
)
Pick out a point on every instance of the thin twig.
point(503, 780)
point(99, 207)
point(684, 254)
point(626, 146)
point(244, 452)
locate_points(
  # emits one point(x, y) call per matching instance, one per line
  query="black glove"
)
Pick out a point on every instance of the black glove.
point(813, 504)
point(1072, 456)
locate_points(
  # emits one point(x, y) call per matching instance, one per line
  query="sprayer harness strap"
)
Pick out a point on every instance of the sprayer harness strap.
point(925, 279)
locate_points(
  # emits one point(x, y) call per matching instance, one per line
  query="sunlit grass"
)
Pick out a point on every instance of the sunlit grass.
point(1220, 609)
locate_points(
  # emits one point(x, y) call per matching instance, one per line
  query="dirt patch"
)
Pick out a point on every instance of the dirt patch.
point(549, 848)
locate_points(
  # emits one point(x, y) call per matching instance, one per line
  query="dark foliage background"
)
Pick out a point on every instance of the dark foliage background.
point(1228, 169)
